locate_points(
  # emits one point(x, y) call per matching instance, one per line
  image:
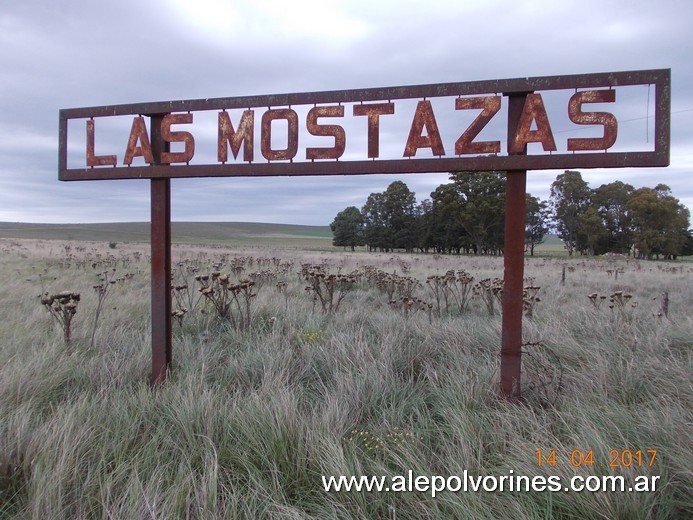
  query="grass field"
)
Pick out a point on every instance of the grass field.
point(263, 402)
point(214, 234)
point(228, 234)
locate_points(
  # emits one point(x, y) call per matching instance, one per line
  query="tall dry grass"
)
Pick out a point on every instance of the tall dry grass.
point(250, 418)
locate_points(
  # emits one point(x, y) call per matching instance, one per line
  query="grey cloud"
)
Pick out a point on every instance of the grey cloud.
point(79, 53)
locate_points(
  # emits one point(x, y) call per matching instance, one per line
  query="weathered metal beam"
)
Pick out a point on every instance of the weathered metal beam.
point(508, 86)
point(400, 166)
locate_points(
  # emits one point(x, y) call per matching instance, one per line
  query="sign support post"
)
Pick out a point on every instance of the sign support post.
point(513, 263)
point(513, 286)
point(162, 344)
point(161, 278)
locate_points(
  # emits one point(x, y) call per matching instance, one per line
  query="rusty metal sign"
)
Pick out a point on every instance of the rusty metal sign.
point(293, 118)
point(289, 125)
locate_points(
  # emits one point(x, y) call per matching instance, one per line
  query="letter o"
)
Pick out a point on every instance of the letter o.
point(291, 149)
point(457, 486)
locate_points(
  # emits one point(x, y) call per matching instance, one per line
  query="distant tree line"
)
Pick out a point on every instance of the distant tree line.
point(618, 218)
point(467, 216)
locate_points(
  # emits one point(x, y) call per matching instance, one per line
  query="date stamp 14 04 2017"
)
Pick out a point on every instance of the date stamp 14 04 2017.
point(624, 458)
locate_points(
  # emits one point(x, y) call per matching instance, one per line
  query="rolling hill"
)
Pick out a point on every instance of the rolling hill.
point(223, 233)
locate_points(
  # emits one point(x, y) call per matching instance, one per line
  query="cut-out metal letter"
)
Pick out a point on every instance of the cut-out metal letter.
point(177, 137)
point(490, 106)
point(424, 118)
point(227, 135)
point(289, 152)
point(138, 133)
point(532, 112)
point(374, 111)
point(92, 159)
point(335, 131)
point(606, 119)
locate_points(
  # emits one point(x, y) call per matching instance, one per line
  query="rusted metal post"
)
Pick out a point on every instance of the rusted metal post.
point(513, 258)
point(162, 352)
point(161, 278)
point(514, 265)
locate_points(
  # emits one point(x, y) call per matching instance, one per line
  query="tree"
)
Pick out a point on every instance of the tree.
point(483, 208)
point(390, 218)
point(660, 222)
point(347, 228)
point(424, 226)
point(611, 202)
point(570, 197)
point(537, 215)
point(592, 236)
point(374, 221)
point(687, 249)
point(399, 204)
point(447, 232)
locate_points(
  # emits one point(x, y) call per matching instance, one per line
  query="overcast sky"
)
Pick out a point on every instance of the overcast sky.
point(84, 53)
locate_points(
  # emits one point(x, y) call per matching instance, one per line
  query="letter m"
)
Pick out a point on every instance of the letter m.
point(227, 135)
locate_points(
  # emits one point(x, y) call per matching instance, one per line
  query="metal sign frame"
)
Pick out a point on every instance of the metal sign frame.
point(659, 157)
point(521, 95)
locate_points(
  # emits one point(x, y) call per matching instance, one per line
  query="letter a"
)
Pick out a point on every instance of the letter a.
point(424, 118)
point(533, 111)
point(138, 133)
